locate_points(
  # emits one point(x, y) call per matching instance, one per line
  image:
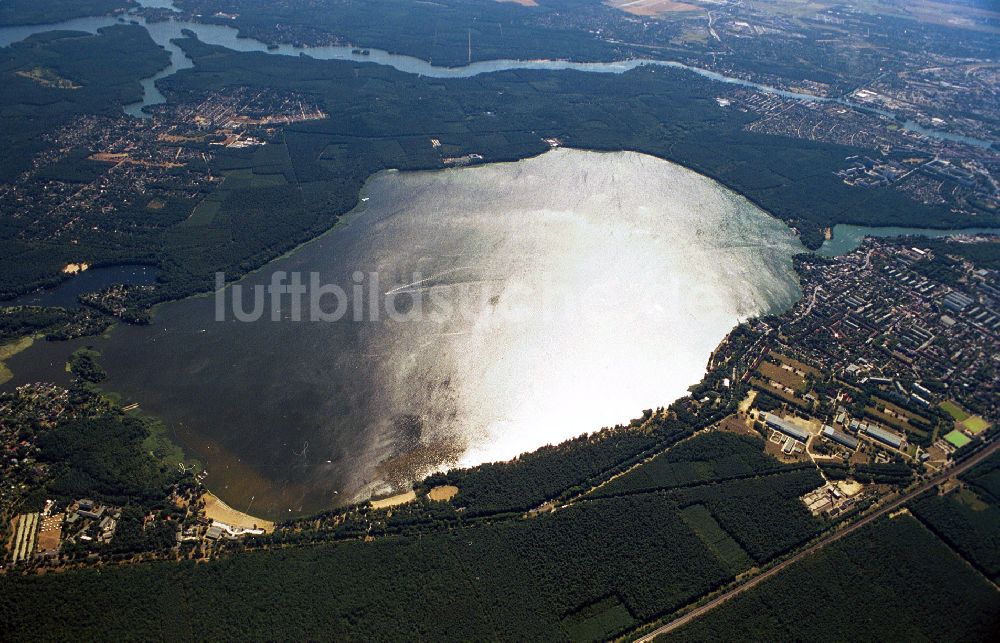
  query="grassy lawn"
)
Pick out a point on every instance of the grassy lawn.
point(954, 410)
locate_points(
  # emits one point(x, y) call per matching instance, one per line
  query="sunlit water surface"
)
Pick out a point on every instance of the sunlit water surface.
point(558, 294)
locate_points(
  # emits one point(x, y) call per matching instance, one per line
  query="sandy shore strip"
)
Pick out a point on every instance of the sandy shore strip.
point(392, 501)
point(219, 511)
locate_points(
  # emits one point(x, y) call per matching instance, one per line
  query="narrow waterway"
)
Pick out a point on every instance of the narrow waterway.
point(164, 31)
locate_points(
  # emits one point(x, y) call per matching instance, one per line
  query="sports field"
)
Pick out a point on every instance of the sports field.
point(954, 410)
point(958, 438)
point(975, 424)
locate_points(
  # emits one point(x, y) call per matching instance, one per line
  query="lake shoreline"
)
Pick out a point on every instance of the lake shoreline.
point(344, 221)
point(168, 320)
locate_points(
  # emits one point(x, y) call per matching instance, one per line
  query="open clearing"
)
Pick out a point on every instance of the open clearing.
point(716, 539)
point(596, 622)
point(443, 492)
point(47, 78)
point(782, 376)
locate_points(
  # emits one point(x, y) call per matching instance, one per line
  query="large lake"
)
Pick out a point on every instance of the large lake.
point(533, 301)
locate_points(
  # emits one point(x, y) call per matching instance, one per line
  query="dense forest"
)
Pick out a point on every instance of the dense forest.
point(670, 530)
point(587, 572)
point(103, 458)
point(533, 478)
point(984, 254)
point(455, 32)
point(26, 12)
point(380, 118)
point(968, 524)
point(985, 479)
point(716, 455)
point(105, 69)
point(891, 581)
point(441, 34)
point(593, 569)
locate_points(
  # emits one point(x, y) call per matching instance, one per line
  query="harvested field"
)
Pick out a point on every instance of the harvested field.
point(652, 7)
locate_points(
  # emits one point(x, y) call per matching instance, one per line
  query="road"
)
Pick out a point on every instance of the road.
point(812, 302)
point(834, 537)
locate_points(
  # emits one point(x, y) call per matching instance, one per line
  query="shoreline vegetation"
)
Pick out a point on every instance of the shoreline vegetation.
point(11, 349)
